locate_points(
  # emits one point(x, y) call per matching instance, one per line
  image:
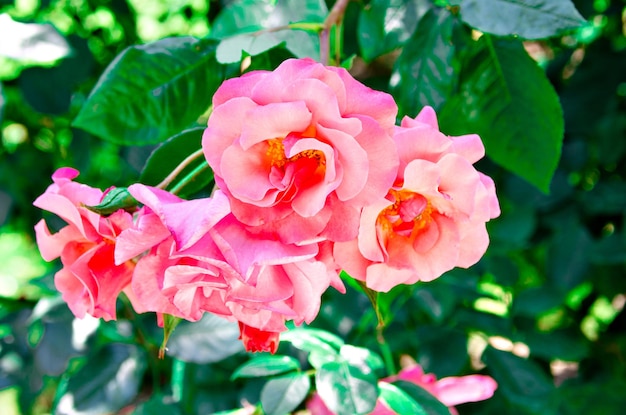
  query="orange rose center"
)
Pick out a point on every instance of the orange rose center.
point(276, 151)
point(407, 216)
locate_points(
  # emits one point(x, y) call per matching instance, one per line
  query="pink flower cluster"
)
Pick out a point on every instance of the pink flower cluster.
point(313, 176)
point(450, 391)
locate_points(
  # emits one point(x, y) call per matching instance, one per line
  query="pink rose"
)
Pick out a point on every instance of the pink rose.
point(300, 150)
point(432, 219)
point(89, 281)
point(209, 262)
point(450, 391)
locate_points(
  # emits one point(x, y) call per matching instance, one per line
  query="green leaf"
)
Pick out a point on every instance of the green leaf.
point(114, 200)
point(506, 98)
point(345, 388)
point(398, 400)
point(266, 366)
point(385, 25)
point(568, 255)
point(309, 340)
point(208, 340)
point(426, 70)
point(428, 403)
point(520, 380)
point(151, 92)
point(529, 19)
point(108, 381)
point(252, 27)
point(170, 154)
point(283, 394)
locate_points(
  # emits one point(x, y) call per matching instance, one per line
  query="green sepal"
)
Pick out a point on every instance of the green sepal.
point(114, 200)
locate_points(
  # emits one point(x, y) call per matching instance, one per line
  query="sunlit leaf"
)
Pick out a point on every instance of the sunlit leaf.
point(428, 403)
point(385, 25)
point(398, 400)
point(530, 19)
point(283, 394)
point(345, 388)
point(208, 340)
point(152, 92)
point(106, 383)
point(31, 42)
point(252, 27)
point(506, 98)
point(266, 366)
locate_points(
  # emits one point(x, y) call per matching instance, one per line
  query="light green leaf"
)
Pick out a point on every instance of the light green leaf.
point(208, 340)
point(506, 98)
point(346, 389)
point(266, 366)
point(529, 19)
point(427, 402)
point(364, 358)
point(152, 92)
point(282, 395)
point(427, 69)
point(252, 27)
point(398, 400)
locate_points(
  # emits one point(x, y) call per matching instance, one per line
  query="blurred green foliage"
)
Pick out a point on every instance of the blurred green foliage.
point(543, 312)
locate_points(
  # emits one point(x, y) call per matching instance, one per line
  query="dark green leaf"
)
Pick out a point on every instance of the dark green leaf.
point(283, 394)
point(568, 258)
point(50, 90)
point(169, 155)
point(208, 340)
point(151, 92)
point(266, 366)
point(31, 42)
point(243, 27)
point(385, 25)
point(114, 200)
point(507, 99)
point(398, 400)
point(159, 405)
point(442, 350)
point(426, 70)
point(346, 389)
point(520, 380)
point(2, 100)
point(530, 19)
point(108, 381)
point(428, 403)
point(534, 301)
point(566, 345)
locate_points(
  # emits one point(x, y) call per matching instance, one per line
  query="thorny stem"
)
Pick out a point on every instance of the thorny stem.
point(186, 162)
point(334, 18)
